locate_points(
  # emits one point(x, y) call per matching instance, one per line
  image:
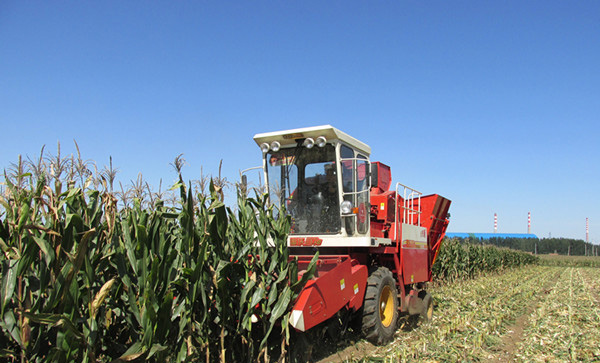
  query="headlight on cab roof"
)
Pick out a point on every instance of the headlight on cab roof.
point(321, 141)
point(308, 142)
point(275, 146)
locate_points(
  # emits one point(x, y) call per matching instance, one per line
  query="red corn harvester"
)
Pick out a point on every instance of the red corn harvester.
point(376, 245)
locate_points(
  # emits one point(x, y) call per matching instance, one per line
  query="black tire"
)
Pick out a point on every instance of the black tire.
point(427, 313)
point(379, 318)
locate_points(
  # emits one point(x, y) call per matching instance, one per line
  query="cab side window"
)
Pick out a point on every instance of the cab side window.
point(355, 181)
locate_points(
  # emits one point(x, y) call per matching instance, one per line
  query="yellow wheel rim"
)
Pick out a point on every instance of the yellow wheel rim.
point(386, 306)
point(430, 311)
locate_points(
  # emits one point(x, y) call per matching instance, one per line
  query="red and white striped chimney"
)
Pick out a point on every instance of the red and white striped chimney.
point(528, 222)
point(587, 230)
point(495, 223)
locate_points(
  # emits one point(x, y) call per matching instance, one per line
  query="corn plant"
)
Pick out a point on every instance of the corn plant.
point(54, 276)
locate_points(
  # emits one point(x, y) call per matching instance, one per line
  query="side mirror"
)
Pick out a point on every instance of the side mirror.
point(244, 177)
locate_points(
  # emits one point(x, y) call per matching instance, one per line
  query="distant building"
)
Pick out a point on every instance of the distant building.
point(490, 235)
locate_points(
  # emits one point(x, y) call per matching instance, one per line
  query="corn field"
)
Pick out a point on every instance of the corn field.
point(89, 278)
point(95, 273)
point(466, 260)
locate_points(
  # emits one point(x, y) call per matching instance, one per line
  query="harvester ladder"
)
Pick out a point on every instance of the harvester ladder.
point(411, 206)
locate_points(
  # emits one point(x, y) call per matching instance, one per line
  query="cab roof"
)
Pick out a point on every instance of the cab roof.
point(289, 138)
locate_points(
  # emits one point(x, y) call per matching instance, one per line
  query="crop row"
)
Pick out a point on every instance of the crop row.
point(458, 260)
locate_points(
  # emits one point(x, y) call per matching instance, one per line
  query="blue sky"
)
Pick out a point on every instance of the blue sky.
point(493, 104)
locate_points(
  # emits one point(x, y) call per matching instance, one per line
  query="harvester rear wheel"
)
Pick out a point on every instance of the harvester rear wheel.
point(427, 313)
point(380, 309)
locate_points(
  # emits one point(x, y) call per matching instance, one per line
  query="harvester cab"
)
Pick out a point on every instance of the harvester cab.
point(376, 244)
point(320, 176)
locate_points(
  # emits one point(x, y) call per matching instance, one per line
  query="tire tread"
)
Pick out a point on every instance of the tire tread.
point(371, 325)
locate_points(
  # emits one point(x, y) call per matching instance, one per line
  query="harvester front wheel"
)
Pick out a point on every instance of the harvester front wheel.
point(380, 309)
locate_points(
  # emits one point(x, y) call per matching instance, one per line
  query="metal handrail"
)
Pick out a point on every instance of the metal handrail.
point(409, 195)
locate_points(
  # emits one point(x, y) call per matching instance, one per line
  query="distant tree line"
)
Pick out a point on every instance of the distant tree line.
point(561, 246)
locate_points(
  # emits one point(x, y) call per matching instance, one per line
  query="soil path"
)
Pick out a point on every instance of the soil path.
point(514, 336)
point(358, 350)
point(355, 348)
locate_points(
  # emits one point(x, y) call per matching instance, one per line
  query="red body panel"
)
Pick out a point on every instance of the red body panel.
point(339, 281)
point(436, 208)
point(415, 262)
point(384, 177)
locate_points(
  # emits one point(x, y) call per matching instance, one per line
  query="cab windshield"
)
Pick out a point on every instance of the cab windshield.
point(304, 182)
